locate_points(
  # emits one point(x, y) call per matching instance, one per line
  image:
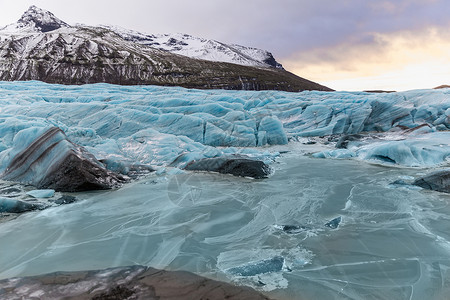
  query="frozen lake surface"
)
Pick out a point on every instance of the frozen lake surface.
point(392, 241)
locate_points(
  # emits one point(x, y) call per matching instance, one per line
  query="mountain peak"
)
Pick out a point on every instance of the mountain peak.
point(40, 19)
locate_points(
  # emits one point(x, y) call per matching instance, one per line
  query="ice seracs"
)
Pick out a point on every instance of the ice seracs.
point(397, 148)
point(130, 129)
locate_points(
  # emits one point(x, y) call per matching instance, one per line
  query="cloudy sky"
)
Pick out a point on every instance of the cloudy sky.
point(344, 44)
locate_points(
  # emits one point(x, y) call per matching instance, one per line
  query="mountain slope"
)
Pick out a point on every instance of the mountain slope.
point(444, 86)
point(42, 47)
point(200, 48)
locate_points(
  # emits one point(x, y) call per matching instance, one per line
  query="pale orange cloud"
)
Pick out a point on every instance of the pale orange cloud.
point(392, 61)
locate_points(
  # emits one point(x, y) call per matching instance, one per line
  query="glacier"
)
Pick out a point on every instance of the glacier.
point(343, 209)
point(155, 125)
point(423, 150)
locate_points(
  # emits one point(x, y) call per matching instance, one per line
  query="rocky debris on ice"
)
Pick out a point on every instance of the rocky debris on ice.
point(334, 223)
point(238, 166)
point(296, 229)
point(136, 282)
point(437, 181)
point(64, 199)
point(292, 229)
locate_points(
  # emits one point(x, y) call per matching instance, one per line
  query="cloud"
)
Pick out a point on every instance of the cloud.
point(337, 36)
point(399, 60)
point(281, 26)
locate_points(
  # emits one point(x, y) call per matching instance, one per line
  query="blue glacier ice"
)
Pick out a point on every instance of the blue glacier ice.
point(132, 129)
point(11, 205)
point(411, 150)
point(274, 264)
point(41, 193)
point(140, 122)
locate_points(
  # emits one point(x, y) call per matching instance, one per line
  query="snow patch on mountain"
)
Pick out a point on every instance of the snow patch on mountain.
point(200, 48)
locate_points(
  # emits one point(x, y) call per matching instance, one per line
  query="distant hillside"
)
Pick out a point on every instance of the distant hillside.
point(444, 86)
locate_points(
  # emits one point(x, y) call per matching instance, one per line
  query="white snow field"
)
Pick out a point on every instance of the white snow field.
point(338, 217)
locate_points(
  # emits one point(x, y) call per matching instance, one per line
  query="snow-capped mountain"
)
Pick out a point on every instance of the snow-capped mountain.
point(39, 46)
point(35, 19)
point(200, 48)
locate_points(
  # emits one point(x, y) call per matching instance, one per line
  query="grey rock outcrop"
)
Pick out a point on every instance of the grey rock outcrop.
point(237, 166)
point(438, 181)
